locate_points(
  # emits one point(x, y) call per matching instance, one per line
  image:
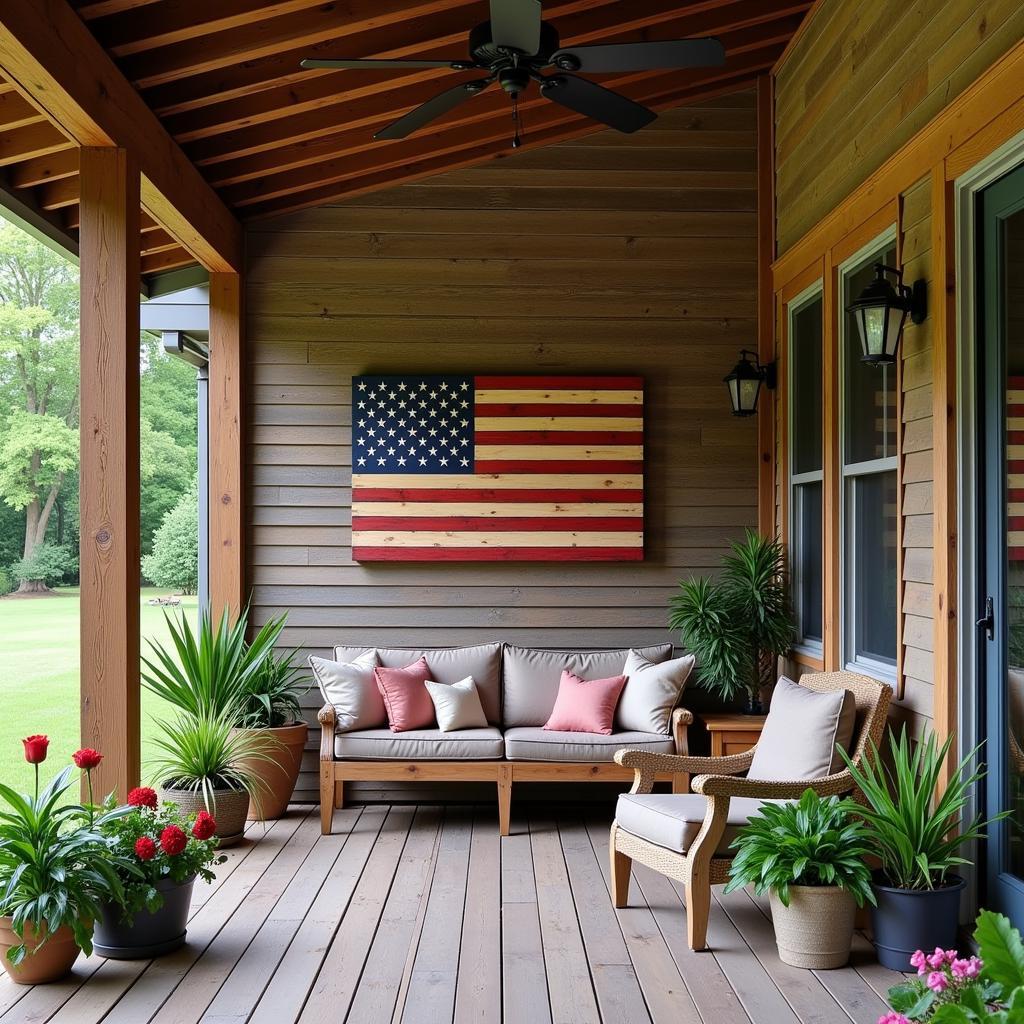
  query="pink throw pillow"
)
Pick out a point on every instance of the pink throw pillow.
point(406, 698)
point(585, 705)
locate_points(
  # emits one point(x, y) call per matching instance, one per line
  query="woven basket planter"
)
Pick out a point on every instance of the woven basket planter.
point(816, 929)
point(230, 807)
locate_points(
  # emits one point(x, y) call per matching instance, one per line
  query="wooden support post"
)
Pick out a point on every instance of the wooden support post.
point(227, 525)
point(109, 255)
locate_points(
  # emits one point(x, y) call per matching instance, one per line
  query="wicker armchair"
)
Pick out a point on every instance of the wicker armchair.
point(719, 779)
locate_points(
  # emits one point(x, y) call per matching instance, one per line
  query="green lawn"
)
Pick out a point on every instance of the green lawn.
point(39, 677)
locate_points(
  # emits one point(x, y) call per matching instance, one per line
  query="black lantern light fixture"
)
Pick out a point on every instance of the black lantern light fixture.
point(744, 383)
point(882, 309)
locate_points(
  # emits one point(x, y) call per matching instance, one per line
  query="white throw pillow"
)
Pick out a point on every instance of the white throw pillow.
point(352, 689)
point(457, 705)
point(652, 691)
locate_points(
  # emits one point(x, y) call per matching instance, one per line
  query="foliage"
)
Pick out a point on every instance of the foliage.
point(986, 989)
point(6, 581)
point(167, 473)
point(174, 561)
point(270, 697)
point(48, 563)
point(36, 451)
point(206, 673)
point(56, 864)
point(149, 823)
point(736, 624)
point(918, 842)
point(813, 842)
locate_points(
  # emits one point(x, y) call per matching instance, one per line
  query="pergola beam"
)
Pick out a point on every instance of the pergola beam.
point(54, 59)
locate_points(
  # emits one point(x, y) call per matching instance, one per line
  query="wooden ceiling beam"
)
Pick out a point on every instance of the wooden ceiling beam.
point(16, 112)
point(30, 141)
point(265, 38)
point(88, 9)
point(47, 50)
point(154, 263)
point(560, 133)
point(41, 169)
point(158, 241)
point(56, 195)
point(21, 206)
point(146, 223)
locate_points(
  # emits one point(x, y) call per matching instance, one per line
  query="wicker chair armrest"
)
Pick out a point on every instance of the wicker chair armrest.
point(762, 789)
point(681, 719)
point(683, 716)
point(326, 718)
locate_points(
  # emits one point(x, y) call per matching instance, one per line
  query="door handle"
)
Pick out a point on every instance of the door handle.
point(988, 620)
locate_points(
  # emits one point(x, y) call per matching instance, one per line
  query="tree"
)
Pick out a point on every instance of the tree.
point(38, 382)
point(175, 559)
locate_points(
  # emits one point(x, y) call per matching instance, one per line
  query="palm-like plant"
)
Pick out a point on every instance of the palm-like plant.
point(270, 696)
point(738, 624)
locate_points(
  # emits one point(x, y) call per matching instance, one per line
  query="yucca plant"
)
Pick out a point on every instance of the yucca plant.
point(270, 696)
point(738, 624)
point(914, 824)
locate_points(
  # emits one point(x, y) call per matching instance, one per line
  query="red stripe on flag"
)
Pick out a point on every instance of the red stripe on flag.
point(431, 554)
point(556, 409)
point(1015, 437)
point(495, 494)
point(1015, 495)
point(555, 466)
point(496, 524)
point(563, 383)
point(559, 437)
point(1015, 522)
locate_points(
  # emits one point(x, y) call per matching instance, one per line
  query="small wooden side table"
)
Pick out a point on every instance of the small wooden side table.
point(732, 734)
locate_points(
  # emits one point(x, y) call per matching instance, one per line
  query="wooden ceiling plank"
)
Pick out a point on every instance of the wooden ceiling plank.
point(56, 195)
point(427, 168)
point(335, 88)
point(16, 112)
point(146, 223)
point(48, 51)
point(158, 241)
point(42, 169)
point(153, 263)
point(30, 141)
point(88, 9)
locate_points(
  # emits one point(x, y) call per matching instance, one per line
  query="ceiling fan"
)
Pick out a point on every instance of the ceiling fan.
point(516, 47)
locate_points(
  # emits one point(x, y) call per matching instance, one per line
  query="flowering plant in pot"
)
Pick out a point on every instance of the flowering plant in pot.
point(56, 868)
point(810, 857)
point(168, 850)
point(918, 838)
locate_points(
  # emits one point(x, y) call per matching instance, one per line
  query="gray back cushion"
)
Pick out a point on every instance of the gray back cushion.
point(447, 665)
point(531, 677)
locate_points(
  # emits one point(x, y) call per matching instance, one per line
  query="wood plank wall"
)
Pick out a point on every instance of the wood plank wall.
point(863, 79)
point(608, 254)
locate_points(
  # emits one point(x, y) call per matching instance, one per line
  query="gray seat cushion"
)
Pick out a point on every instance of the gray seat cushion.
point(673, 821)
point(530, 677)
point(420, 745)
point(447, 665)
point(529, 743)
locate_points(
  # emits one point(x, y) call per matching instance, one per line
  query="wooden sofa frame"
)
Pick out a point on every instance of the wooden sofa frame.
point(335, 773)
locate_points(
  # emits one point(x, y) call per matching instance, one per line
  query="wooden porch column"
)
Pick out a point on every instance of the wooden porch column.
point(227, 515)
point(110, 274)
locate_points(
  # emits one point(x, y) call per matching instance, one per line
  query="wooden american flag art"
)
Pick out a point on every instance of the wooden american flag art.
point(485, 469)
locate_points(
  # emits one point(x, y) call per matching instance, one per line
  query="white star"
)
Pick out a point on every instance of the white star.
point(423, 423)
point(444, 442)
point(412, 431)
point(431, 412)
point(391, 413)
point(401, 386)
point(433, 432)
point(433, 394)
point(381, 462)
point(361, 440)
point(423, 441)
point(362, 462)
point(362, 423)
point(444, 462)
point(423, 462)
point(465, 462)
point(401, 423)
point(362, 405)
point(433, 451)
point(391, 432)
point(423, 404)
point(465, 441)
point(444, 386)
point(392, 396)
point(401, 405)
point(463, 423)
point(401, 462)
point(464, 386)
point(463, 405)
point(362, 385)
point(444, 403)
point(401, 440)
point(423, 387)
point(371, 432)
point(391, 451)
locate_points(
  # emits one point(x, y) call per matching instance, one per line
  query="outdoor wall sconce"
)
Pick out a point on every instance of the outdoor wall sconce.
point(881, 310)
point(744, 383)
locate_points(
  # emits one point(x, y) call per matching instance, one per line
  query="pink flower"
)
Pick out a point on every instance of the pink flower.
point(937, 981)
point(974, 966)
point(951, 955)
point(892, 1017)
point(919, 961)
point(937, 959)
point(958, 968)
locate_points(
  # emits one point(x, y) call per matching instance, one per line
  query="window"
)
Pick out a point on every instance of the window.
point(867, 441)
point(805, 465)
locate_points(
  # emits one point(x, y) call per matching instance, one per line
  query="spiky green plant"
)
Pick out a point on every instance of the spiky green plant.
point(736, 625)
point(270, 696)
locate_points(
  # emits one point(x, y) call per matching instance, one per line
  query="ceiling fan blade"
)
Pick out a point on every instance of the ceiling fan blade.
point(516, 24)
point(670, 53)
point(596, 101)
point(433, 108)
point(312, 62)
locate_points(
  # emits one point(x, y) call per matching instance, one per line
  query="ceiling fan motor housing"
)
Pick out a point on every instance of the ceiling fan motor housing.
point(484, 51)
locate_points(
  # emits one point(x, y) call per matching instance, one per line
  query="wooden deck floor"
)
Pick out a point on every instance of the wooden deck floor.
point(423, 915)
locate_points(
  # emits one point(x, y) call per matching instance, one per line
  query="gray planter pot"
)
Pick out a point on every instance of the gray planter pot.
point(146, 934)
point(230, 807)
point(906, 920)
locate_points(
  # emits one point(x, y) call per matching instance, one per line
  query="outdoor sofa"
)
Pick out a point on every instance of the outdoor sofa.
point(517, 688)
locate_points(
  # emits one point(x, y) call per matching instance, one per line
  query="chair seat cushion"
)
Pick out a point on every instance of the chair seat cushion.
point(420, 745)
point(529, 743)
point(673, 821)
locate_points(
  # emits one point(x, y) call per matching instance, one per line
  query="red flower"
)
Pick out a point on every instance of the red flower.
point(173, 840)
point(87, 758)
point(35, 749)
point(143, 796)
point(145, 848)
point(204, 827)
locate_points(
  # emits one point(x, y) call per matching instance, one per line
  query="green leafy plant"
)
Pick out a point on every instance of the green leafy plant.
point(270, 697)
point(917, 840)
point(813, 842)
point(174, 560)
point(6, 582)
point(48, 563)
point(738, 624)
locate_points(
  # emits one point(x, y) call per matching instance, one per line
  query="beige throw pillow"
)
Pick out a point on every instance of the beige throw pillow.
point(457, 705)
point(350, 686)
point(652, 691)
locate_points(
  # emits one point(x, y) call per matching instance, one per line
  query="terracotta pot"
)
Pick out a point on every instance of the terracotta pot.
point(49, 963)
point(816, 929)
point(229, 808)
point(279, 774)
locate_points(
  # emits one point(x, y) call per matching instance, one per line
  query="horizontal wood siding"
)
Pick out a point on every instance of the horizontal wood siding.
point(607, 255)
point(863, 79)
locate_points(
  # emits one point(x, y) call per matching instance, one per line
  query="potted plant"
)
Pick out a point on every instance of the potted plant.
point(56, 868)
point(167, 850)
point(738, 624)
point(810, 858)
point(915, 830)
point(269, 706)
